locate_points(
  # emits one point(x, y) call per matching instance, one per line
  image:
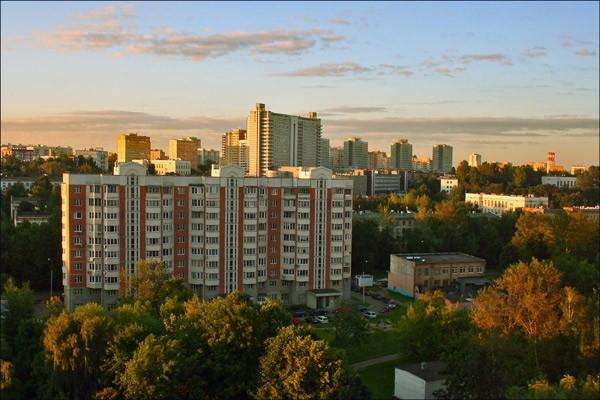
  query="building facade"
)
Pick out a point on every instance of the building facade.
point(386, 182)
point(185, 149)
point(475, 160)
point(208, 155)
point(324, 153)
point(99, 155)
point(447, 183)
point(356, 153)
point(500, 203)
point(336, 158)
point(441, 159)
point(415, 273)
point(21, 153)
point(577, 169)
point(287, 237)
point(157, 154)
point(234, 149)
point(421, 164)
point(402, 155)
point(132, 147)
point(378, 160)
point(277, 140)
point(567, 182)
point(164, 167)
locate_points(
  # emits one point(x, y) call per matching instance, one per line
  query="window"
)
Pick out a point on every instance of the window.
point(77, 189)
point(77, 279)
point(77, 215)
point(77, 228)
point(181, 251)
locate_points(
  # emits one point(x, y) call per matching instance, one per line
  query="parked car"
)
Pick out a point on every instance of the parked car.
point(321, 312)
point(391, 305)
point(385, 310)
point(321, 319)
point(370, 314)
point(363, 309)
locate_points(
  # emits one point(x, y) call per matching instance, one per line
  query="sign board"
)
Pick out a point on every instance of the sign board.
point(364, 280)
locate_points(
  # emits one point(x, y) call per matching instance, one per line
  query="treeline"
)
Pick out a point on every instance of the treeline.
point(53, 167)
point(528, 336)
point(29, 251)
point(165, 343)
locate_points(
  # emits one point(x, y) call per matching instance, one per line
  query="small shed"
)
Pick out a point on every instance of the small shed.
point(420, 380)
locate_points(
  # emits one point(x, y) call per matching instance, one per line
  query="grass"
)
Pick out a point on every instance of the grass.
point(379, 379)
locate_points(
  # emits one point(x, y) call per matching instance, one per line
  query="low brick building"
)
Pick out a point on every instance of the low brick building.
point(418, 272)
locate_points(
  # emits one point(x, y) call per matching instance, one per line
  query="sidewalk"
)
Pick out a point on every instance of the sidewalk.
point(374, 361)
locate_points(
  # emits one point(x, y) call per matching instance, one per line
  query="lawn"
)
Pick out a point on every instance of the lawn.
point(380, 379)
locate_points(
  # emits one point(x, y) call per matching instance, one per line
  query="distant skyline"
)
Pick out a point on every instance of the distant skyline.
point(510, 81)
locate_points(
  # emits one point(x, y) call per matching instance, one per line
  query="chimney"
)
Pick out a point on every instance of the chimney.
point(423, 366)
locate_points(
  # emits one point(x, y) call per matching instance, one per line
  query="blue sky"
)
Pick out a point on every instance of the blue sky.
point(508, 80)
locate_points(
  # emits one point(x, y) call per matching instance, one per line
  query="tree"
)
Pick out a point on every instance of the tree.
point(19, 302)
point(429, 325)
point(154, 283)
point(295, 366)
point(534, 236)
point(350, 328)
point(75, 345)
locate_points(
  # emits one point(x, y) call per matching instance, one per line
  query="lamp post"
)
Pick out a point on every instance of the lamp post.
point(102, 276)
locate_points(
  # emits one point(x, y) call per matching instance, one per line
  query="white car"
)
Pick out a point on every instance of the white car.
point(370, 314)
point(322, 319)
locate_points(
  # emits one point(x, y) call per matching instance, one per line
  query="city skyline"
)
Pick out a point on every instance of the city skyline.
point(186, 70)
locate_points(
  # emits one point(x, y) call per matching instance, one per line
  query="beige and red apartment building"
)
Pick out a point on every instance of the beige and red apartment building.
point(287, 237)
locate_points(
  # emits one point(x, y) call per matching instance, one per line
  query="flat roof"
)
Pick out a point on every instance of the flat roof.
point(433, 371)
point(325, 292)
point(439, 258)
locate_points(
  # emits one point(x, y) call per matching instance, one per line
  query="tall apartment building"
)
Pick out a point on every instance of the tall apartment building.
point(336, 158)
point(287, 237)
point(185, 149)
point(157, 154)
point(277, 140)
point(99, 155)
point(208, 155)
point(132, 147)
point(501, 203)
point(402, 155)
point(378, 160)
point(475, 160)
point(356, 153)
point(324, 153)
point(234, 149)
point(441, 160)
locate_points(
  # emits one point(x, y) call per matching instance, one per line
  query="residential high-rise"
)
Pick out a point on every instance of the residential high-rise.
point(356, 153)
point(421, 164)
point(268, 237)
point(475, 160)
point(378, 160)
point(234, 149)
point(207, 155)
point(336, 158)
point(441, 161)
point(277, 140)
point(402, 155)
point(185, 149)
point(157, 154)
point(132, 147)
point(324, 153)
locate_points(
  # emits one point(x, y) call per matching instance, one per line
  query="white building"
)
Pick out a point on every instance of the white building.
point(275, 140)
point(419, 381)
point(447, 183)
point(99, 156)
point(560, 181)
point(500, 203)
point(287, 237)
point(475, 160)
point(163, 167)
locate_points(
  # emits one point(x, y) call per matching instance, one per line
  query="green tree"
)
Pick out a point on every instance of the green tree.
point(350, 328)
point(295, 366)
point(19, 302)
point(154, 283)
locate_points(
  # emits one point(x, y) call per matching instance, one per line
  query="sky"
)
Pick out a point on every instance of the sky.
point(510, 81)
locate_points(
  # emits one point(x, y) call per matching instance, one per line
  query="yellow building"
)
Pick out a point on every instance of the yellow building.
point(185, 149)
point(234, 148)
point(132, 147)
point(157, 154)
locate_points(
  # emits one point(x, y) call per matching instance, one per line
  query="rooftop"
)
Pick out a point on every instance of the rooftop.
point(432, 371)
point(439, 258)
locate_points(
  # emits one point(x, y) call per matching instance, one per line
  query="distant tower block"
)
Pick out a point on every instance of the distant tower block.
point(550, 161)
